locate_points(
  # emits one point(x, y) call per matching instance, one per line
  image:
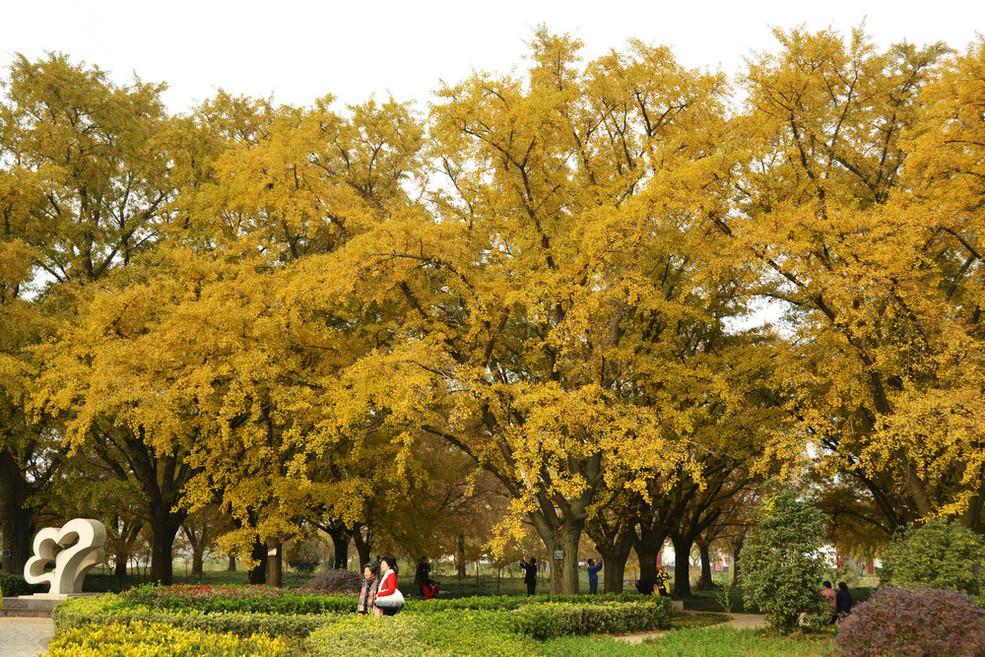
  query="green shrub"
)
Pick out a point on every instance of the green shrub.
point(503, 602)
point(14, 585)
point(484, 632)
point(110, 608)
point(914, 622)
point(782, 564)
point(938, 555)
point(156, 640)
point(553, 620)
point(368, 636)
point(255, 599)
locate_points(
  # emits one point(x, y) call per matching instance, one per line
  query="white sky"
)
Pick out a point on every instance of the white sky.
point(301, 50)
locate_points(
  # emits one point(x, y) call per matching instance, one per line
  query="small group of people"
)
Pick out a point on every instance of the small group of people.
point(530, 575)
point(427, 587)
point(839, 603)
point(379, 594)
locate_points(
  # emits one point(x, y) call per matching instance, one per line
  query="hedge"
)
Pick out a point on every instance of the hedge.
point(502, 602)
point(256, 599)
point(109, 608)
point(15, 585)
point(481, 633)
point(157, 640)
point(422, 629)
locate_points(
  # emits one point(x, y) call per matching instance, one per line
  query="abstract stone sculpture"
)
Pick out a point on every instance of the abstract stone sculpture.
point(81, 542)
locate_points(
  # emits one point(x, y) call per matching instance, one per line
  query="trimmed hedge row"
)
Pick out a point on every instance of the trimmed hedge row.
point(484, 633)
point(418, 636)
point(110, 609)
point(256, 599)
point(501, 602)
point(15, 585)
point(157, 640)
point(423, 630)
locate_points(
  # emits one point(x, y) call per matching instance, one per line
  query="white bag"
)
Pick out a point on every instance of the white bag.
point(393, 601)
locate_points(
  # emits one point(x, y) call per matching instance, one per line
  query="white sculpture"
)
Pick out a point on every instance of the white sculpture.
point(81, 540)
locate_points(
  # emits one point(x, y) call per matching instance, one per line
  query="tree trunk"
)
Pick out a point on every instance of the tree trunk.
point(736, 553)
point(460, 560)
point(258, 573)
point(231, 568)
point(340, 539)
point(705, 583)
point(363, 548)
point(120, 567)
point(16, 517)
point(648, 547)
point(275, 564)
point(198, 549)
point(614, 559)
point(198, 559)
point(164, 527)
point(682, 566)
point(564, 570)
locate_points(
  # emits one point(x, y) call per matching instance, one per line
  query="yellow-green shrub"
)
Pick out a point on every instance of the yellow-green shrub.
point(111, 608)
point(139, 639)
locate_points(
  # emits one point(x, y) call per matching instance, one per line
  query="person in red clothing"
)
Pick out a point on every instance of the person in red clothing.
point(388, 583)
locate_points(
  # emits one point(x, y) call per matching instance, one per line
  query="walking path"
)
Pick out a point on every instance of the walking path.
point(739, 622)
point(25, 637)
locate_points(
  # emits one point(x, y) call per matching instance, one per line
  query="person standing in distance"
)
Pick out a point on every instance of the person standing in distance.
point(530, 575)
point(593, 576)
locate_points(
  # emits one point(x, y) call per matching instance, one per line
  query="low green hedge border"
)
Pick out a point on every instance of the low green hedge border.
point(470, 631)
point(110, 609)
point(157, 640)
point(484, 633)
point(501, 602)
point(14, 585)
point(253, 599)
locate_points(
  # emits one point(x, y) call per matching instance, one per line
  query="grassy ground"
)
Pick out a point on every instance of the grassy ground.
point(697, 642)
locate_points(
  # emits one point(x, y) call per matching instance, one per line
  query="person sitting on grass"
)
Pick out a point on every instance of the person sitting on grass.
point(828, 594)
point(843, 601)
point(662, 585)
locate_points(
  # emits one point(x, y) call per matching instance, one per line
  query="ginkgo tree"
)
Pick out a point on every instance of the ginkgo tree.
point(538, 303)
point(844, 202)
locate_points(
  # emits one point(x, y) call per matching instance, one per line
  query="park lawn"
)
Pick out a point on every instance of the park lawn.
point(697, 642)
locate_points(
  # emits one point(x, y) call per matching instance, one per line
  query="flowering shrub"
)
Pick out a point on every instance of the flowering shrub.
point(336, 581)
point(256, 599)
point(157, 640)
point(914, 622)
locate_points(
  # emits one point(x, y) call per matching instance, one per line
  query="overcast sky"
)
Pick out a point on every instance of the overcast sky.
point(301, 50)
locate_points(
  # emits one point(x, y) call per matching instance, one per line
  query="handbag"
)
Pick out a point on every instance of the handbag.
point(393, 601)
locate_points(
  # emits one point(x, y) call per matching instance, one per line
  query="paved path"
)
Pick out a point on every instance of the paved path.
point(739, 621)
point(25, 637)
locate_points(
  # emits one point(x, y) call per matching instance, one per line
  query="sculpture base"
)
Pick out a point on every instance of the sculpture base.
point(38, 605)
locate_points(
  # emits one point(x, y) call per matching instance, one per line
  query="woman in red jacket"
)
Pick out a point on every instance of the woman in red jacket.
point(388, 584)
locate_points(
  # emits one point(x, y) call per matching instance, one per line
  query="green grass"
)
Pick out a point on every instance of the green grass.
point(715, 642)
point(571, 646)
point(690, 621)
